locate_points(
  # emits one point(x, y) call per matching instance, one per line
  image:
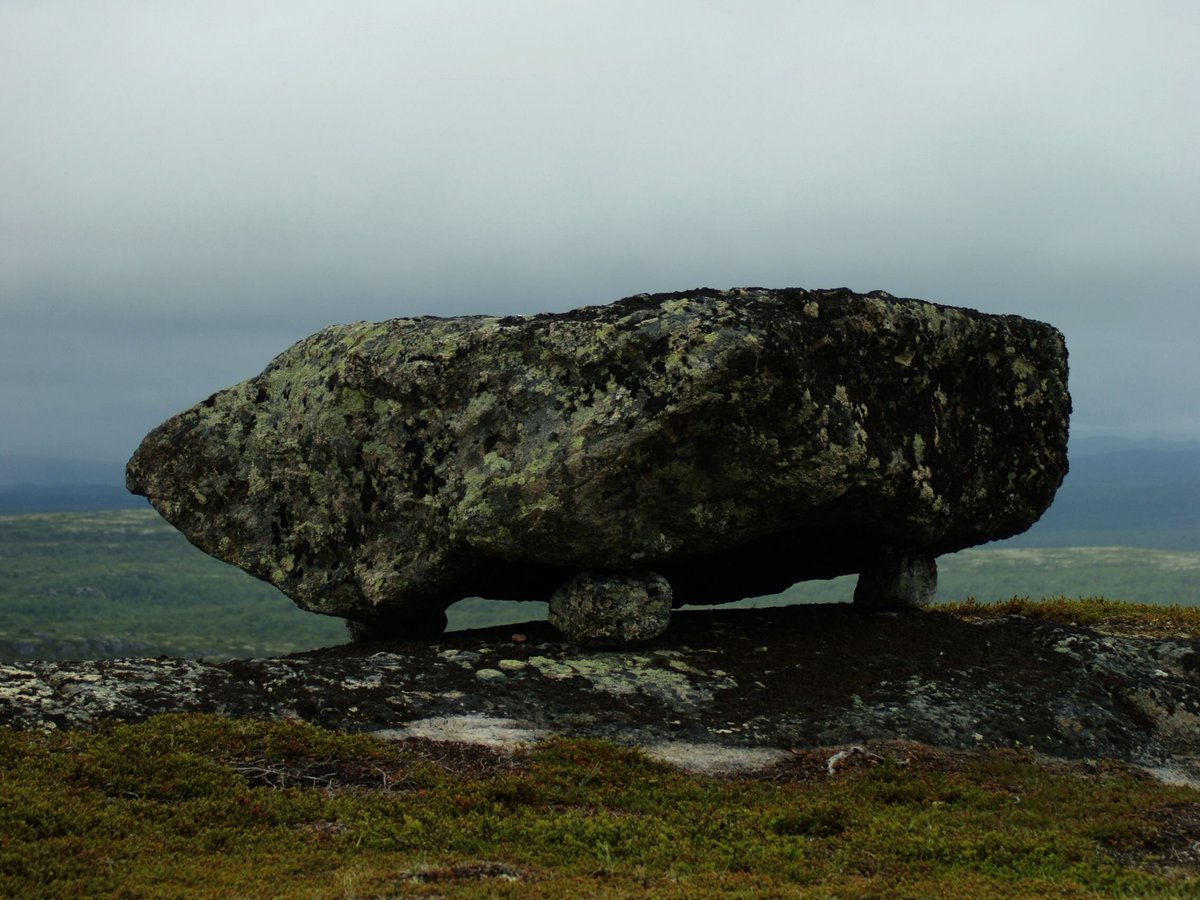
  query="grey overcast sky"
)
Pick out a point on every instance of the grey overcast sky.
point(186, 188)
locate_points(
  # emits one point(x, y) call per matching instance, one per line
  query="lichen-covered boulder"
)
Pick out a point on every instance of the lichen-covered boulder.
point(734, 442)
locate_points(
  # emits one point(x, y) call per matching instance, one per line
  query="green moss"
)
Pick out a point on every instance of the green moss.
point(1140, 619)
point(205, 806)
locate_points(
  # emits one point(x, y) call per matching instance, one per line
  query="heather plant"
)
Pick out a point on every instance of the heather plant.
point(195, 805)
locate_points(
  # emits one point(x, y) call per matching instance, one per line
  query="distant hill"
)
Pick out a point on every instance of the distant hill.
point(1095, 446)
point(1125, 493)
point(66, 498)
point(30, 484)
point(45, 471)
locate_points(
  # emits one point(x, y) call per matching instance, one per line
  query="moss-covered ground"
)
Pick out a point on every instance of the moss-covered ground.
point(205, 806)
point(202, 806)
point(1133, 619)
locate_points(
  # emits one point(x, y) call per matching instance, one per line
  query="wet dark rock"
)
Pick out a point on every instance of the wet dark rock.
point(611, 609)
point(748, 684)
point(734, 442)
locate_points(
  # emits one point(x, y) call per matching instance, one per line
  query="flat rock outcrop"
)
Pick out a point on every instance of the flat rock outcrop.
point(736, 685)
point(731, 442)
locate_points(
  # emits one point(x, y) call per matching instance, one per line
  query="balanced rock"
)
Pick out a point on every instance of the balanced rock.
point(733, 442)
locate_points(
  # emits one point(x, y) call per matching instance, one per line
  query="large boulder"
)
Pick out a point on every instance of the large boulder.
point(733, 442)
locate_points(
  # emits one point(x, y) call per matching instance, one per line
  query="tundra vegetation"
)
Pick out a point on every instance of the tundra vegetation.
point(196, 805)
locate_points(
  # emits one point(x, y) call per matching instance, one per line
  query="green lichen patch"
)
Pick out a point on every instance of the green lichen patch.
point(632, 675)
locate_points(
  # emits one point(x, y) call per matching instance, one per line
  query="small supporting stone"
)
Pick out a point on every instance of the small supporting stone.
point(612, 609)
point(385, 629)
point(898, 581)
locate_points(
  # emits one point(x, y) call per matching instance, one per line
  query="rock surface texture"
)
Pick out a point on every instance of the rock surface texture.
point(612, 610)
point(733, 442)
point(736, 687)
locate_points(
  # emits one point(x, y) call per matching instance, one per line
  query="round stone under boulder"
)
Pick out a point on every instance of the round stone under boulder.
point(607, 609)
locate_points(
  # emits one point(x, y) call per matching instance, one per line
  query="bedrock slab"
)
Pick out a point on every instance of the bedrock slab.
point(733, 442)
point(766, 681)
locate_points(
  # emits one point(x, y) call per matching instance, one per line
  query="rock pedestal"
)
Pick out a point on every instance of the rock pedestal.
point(601, 610)
point(766, 682)
point(897, 582)
point(733, 442)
